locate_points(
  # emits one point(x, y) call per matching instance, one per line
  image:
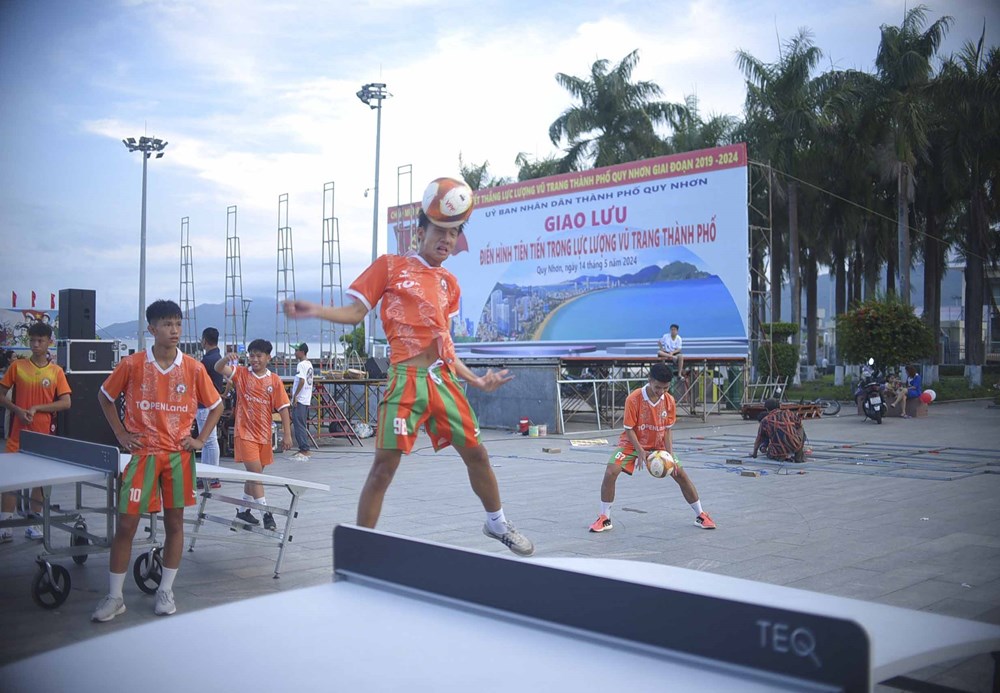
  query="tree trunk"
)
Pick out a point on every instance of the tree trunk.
point(840, 300)
point(932, 279)
point(903, 229)
point(812, 276)
point(793, 266)
point(975, 285)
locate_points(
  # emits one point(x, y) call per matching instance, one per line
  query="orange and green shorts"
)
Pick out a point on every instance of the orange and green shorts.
point(624, 456)
point(250, 451)
point(161, 480)
point(428, 397)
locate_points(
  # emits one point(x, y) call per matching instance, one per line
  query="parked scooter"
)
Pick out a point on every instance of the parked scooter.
point(870, 391)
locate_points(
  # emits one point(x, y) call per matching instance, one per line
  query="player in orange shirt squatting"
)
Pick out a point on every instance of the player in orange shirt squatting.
point(419, 298)
point(162, 388)
point(40, 390)
point(258, 393)
point(650, 412)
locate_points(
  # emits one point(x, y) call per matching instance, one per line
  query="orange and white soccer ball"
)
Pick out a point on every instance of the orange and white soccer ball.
point(660, 463)
point(448, 202)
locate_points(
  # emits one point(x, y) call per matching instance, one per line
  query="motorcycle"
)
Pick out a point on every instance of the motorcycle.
point(870, 391)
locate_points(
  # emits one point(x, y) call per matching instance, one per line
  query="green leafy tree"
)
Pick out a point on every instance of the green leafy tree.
point(904, 70)
point(886, 330)
point(478, 175)
point(776, 357)
point(354, 342)
point(528, 169)
point(615, 120)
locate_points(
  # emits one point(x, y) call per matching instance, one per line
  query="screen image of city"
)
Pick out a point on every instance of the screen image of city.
point(637, 305)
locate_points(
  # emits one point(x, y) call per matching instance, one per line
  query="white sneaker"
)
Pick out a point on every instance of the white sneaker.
point(34, 532)
point(164, 603)
point(512, 539)
point(108, 608)
point(299, 457)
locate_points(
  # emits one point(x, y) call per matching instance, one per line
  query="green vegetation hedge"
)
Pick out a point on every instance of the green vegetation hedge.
point(786, 360)
point(884, 329)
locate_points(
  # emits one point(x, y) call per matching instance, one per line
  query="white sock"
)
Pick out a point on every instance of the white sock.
point(606, 509)
point(496, 521)
point(117, 583)
point(167, 581)
point(696, 506)
point(261, 500)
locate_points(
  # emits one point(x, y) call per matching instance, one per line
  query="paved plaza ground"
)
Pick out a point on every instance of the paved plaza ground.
point(905, 513)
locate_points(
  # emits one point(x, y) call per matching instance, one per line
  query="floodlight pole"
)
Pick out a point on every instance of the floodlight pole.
point(148, 146)
point(376, 92)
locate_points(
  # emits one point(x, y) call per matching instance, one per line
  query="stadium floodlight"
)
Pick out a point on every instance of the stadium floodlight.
point(374, 91)
point(148, 146)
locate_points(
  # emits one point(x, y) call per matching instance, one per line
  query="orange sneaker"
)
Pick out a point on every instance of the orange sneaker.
point(602, 524)
point(703, 521)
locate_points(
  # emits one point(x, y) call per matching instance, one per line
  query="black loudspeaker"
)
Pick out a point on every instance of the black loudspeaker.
point(85, 355)
point(378, 368)
point(85, 419)
point(77, 314)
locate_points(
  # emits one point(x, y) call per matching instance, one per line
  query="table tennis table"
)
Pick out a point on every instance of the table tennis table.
point(50, 461)
point(406, 614)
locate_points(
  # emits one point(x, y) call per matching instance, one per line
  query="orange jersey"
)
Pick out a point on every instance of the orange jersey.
point(418, 303)
point(160, 405)
point(33, 386)
point(648, 420)
point(256, 397)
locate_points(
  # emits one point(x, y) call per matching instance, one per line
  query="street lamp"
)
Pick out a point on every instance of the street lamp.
point(148, 146)
point(246, 311)
point(367, 94)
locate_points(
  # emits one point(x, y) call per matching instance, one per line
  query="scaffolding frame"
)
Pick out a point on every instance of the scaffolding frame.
point(189, 324)
point(332, 291)
point(286, 331)
point(233, 338)
point(760, 181)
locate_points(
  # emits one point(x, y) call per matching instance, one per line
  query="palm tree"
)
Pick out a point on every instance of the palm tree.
point(478, 175)
point(539, 168)
point(616, 119)
point(971, 84)
point(692, 132)
point(781, 112)
point(903, 64)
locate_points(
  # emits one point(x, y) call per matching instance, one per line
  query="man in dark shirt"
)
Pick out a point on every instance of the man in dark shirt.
point(210, 345)
point(781, 434)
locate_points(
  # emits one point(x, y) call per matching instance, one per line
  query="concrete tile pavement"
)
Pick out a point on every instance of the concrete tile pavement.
point(841, 528)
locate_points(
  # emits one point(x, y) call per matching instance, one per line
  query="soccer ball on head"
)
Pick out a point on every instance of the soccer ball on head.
point(660, 463)
point(447, 202)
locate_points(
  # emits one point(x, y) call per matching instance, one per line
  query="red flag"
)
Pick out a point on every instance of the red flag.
point(52, 301)
point(33, 299)
point(13, 299)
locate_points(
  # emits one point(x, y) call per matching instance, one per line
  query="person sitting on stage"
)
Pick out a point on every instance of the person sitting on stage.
point(258, 393)
point(780, 434)
point(163, 387)
point(40, 390)
point(670, 349)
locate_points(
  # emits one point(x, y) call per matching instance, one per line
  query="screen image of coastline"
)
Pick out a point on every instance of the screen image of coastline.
point(604, 255)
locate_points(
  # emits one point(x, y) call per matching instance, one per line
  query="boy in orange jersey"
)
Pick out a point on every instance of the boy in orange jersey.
point(650, 412)
point(40, 390)
point(162, 388)
point(419, 297)
point(258, 393)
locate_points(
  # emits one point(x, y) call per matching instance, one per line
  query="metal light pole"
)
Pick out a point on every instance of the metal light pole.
point(374, 92)
point(148, 146)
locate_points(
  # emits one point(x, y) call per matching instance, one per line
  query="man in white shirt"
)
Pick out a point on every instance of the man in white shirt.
point(302, 390)
point(670, 349)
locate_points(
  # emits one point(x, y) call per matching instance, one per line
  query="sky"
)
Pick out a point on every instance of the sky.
point(257, 99)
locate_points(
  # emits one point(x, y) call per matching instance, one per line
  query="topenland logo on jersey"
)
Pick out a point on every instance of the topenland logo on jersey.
point(146, 405)
point(180, 389)
point(649, 427)
point(259, 400)
point(46, 383)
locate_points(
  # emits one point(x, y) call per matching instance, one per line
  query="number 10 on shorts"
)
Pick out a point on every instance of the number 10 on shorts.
point(134, 495)
point(399, 426)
